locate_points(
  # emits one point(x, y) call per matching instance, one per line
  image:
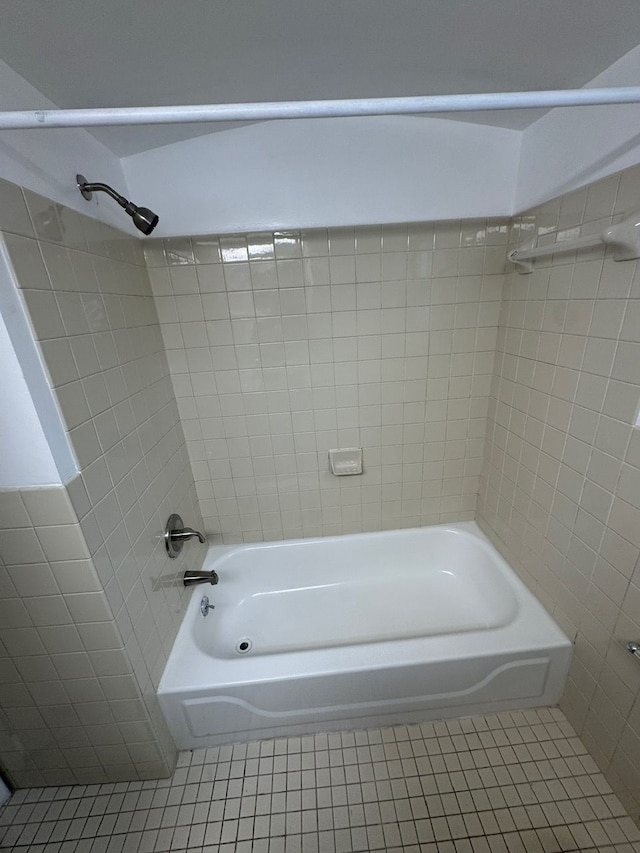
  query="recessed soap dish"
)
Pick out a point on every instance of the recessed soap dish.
point(345, 461)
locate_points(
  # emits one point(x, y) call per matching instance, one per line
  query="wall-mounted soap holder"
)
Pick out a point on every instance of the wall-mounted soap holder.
point(345, 461)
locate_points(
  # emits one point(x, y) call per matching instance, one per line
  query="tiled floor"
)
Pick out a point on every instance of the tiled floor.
point(520, 781)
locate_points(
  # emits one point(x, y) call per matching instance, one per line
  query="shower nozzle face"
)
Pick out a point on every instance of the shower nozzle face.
point(144, 219)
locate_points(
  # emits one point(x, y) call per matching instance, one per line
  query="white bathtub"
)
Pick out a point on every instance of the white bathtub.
point(355, 631)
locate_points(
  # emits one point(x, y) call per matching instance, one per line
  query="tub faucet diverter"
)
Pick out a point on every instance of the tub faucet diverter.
point(176, 534)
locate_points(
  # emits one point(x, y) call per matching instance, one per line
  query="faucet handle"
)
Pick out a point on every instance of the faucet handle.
point(187, 533)
point(176, 534)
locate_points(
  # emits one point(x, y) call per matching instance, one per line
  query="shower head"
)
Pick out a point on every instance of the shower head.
point(144, 219)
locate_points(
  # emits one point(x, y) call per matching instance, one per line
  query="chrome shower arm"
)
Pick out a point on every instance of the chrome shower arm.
point(86, 189)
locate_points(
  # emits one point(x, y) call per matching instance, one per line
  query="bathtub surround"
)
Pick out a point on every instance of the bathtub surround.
point(560, 488)
point(90, 602)
point(558, 493)
point(326, 339)
point(284, 345)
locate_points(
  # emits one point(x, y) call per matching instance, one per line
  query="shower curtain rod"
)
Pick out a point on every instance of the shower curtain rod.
point(111, 116)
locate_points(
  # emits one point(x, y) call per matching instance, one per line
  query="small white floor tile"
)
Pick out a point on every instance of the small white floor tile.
point(516, 782)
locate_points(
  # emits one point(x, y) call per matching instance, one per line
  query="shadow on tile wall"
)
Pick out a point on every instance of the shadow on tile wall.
point(90, 603)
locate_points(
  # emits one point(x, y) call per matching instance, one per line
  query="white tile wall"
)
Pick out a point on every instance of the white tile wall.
point(560, 489)
point(110, 585)
point(284, 345)
point(70, 705)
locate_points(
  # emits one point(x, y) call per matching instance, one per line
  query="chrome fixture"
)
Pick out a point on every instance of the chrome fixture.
point(176, 534)
point(634, 648)
point(191, 578)
point(144, 219)
point(205, 605)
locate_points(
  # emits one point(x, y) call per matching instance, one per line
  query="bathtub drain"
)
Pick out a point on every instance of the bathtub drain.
point(243, 646)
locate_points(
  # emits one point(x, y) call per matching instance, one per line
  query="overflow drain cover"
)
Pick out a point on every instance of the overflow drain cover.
point(243, 646)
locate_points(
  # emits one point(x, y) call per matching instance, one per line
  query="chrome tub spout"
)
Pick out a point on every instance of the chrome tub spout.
point(191, 578)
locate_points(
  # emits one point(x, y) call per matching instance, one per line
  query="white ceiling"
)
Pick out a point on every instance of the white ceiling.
point(91, 53)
